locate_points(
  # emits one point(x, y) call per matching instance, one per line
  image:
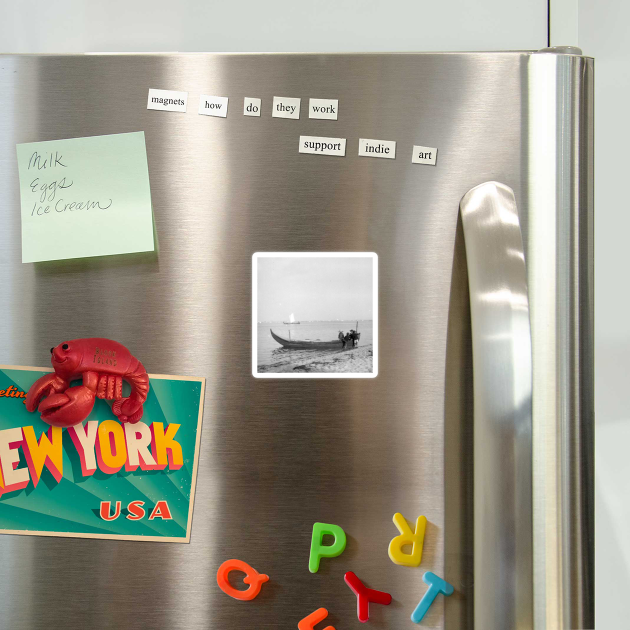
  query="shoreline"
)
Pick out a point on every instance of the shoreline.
point(351, 361)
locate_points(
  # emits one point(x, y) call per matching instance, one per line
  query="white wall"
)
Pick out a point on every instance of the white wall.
point(270, 25)
point(604, 27)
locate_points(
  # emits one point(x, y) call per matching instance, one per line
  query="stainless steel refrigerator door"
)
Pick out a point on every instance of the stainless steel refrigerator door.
point(278, 455)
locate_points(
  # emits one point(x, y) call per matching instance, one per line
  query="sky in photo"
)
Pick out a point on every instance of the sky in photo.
point(314, 289)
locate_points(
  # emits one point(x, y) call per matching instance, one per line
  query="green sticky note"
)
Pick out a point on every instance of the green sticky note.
point(85, 197)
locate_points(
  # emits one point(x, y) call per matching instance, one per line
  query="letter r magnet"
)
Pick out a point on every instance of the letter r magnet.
point(319, 551)
point(407, 537)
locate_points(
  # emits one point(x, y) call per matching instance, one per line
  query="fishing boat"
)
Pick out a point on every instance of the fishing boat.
point(305, 344)
point(291, 320)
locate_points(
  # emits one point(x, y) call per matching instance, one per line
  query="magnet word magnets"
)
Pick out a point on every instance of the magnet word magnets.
point(407, 537)
point(252, 577)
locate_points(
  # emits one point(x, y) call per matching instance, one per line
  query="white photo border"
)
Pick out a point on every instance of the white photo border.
point(371, 255)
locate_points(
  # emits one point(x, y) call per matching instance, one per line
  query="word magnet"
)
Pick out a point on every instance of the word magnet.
point(323, 108)
point(407, 537)
point(365, 595)
point(285, 107)
point(251, 106)
point(167, 100)
point(252, 577)
point(377, 148)
point(322, 146)
point(319, 551)
point(213, 105)
point(424, 155)
point(436, 586)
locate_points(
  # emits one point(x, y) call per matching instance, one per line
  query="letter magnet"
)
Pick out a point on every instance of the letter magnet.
point(252, 577)
point(407, 537)
point(319, 551)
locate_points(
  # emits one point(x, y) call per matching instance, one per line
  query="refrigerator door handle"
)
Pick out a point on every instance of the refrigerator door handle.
point(502, 374)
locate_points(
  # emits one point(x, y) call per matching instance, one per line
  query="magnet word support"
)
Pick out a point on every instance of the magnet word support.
point(365, 595)
point(436, 586)
point(308, 623)
point(407, 537)
point(319, 551)
point(252, 577)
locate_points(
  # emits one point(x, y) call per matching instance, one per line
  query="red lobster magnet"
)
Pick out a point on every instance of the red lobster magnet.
point(103, 364)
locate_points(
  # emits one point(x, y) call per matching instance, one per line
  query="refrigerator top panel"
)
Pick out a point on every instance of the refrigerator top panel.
point(277, 454)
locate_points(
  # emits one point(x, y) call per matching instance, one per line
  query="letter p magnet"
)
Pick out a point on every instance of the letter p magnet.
point(319, 551)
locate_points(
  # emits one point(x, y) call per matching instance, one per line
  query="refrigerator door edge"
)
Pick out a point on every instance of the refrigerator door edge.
point(559, 254)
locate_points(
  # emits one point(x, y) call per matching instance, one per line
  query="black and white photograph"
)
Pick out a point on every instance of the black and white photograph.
point(315, 315)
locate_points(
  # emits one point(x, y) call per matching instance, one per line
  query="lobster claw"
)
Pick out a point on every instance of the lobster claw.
point(68, 408)
point(43, 386)
point(128, 410)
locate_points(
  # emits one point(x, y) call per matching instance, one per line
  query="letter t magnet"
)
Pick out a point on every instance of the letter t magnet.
point(436, 586)
point(407, 537)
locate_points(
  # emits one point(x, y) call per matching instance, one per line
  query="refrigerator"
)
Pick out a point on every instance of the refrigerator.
point(477, 410)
